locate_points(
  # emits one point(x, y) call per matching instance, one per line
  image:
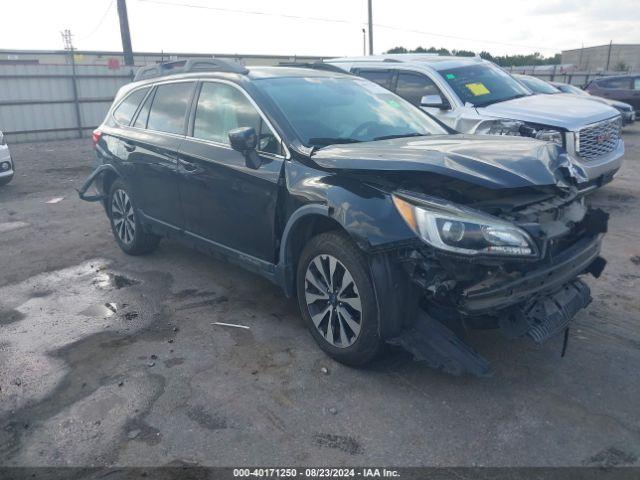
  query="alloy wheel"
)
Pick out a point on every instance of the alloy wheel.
point(123, 216)
point(333, 301)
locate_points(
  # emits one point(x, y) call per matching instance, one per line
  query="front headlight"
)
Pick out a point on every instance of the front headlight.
point(461, 230)
point(519, 129)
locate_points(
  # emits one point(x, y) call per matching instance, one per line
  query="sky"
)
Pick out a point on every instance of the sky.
point(325, 28)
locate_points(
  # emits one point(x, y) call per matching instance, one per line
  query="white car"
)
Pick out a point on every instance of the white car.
point(6, 164)
point(472, 95)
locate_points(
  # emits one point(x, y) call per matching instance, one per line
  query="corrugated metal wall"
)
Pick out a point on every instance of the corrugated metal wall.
point(37, 102)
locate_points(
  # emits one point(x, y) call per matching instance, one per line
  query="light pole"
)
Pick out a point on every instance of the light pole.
point(364, 42)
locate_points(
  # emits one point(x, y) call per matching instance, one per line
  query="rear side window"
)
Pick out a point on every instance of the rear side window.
point(125, 111)
point(413, 86)
point(636, 83)
point(170, 107)
point(619, 83)
point(222, 108)
point(381, 77)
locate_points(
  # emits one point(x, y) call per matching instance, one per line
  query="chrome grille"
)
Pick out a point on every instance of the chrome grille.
point(599, 139)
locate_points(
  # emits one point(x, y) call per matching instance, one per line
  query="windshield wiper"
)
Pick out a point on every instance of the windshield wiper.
point(401, 135)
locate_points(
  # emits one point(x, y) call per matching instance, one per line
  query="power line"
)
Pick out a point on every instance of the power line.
point(337, 20)
point(99, 24)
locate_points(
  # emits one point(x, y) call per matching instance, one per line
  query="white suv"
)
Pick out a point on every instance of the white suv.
point(472, 95)
point(6, 164)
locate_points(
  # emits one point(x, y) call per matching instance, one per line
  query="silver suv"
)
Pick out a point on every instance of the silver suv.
point(472, 95)
point(6, 163)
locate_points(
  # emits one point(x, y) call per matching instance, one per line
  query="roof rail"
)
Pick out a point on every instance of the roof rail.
point(191, 65)
point(317, 65)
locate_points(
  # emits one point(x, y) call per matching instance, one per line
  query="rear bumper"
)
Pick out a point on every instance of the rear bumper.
point(582, 257)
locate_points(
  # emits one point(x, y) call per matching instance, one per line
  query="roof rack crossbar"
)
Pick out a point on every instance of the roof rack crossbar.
point(317, 65)
point(190, 65)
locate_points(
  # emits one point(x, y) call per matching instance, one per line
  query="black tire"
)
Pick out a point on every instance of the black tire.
point(367, 344)
point(134, 241)
point(5, 180)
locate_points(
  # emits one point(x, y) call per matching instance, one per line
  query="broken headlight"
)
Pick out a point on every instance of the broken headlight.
point(461, 230)
point(519, 129)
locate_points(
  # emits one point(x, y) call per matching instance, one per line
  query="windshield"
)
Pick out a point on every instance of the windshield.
point(483, 84)
point(538, 86)
point(572, 89)
point(325, 110)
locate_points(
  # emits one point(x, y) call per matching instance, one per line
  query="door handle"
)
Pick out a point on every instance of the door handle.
point(129, 147)
point(189, 168)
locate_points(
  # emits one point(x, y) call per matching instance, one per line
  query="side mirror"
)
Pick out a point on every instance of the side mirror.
point(434, 101)
point(245, 141)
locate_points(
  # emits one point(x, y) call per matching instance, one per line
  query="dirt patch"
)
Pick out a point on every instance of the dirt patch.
point(205, 419)
point(611, 457)
point(344, 443)
point(10, 316)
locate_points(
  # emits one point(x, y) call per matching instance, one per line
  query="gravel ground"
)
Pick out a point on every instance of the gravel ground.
point(107, 359)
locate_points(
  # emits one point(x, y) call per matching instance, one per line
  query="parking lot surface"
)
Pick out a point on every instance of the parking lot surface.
point(107, 359)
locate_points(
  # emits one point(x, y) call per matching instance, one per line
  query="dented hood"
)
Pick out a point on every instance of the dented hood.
point(486, 160)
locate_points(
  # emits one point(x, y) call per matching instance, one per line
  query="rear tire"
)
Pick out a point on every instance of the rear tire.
point(337, 299)
point(125, 222)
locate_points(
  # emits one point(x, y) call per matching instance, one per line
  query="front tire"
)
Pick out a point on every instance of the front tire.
point(125, 222)
point(337, 299)
point(5, 180)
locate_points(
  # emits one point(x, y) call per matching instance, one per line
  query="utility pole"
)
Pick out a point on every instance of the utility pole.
point(609, 56)
point(124, 33)
point(68, 46)
point(370, 28)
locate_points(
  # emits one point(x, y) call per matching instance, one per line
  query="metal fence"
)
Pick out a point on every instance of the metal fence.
point(552, 73)
point(68, 99)
point(50, 102)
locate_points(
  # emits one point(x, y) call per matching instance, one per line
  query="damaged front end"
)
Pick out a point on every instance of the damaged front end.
point(511, 263)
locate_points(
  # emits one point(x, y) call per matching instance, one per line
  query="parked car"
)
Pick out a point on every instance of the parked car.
point(6, 163)
point(385, 226)
point(626, 110)
point(472, 95)
point(539, 86)
point(624, 88)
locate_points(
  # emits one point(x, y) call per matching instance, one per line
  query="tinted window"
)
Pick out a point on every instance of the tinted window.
point(483, 84)
point(169, 107)
point(636, 83)
point(329, 110)
point(381, 77)
point(222, 108)
point(413, 86)
point(621, 83)
point(143, 115)
point(124, 113)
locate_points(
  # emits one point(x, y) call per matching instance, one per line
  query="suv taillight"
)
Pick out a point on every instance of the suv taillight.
point(95, 137)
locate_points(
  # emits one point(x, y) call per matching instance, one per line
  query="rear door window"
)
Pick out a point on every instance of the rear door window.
point(127, 108)
point(383, 78)
point(143, 115)
point(636, 83)
point(414, 86)
point(169, 107)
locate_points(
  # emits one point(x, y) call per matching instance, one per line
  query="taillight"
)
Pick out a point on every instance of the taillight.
point(96, 135)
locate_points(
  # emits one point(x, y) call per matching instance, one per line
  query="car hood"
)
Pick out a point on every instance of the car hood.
point(565, 111)
point(486, 160)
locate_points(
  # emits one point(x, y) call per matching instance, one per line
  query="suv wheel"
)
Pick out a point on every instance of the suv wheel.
point(337, 300)
point(125, 223)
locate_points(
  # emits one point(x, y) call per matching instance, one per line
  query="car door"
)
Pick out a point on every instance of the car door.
point(156, 134)
point(635, 94)
point(412, 86)
point(224, 201)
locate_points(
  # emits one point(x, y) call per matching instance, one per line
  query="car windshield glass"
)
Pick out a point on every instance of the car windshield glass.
point(572, 89)
point(538, 86)
point(483, 84)
point(328, 110)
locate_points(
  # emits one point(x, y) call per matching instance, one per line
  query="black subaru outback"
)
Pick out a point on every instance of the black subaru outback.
point(386, 226)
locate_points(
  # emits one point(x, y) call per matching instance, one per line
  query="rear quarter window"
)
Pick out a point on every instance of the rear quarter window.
point(127, 108)
point(615, 83)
